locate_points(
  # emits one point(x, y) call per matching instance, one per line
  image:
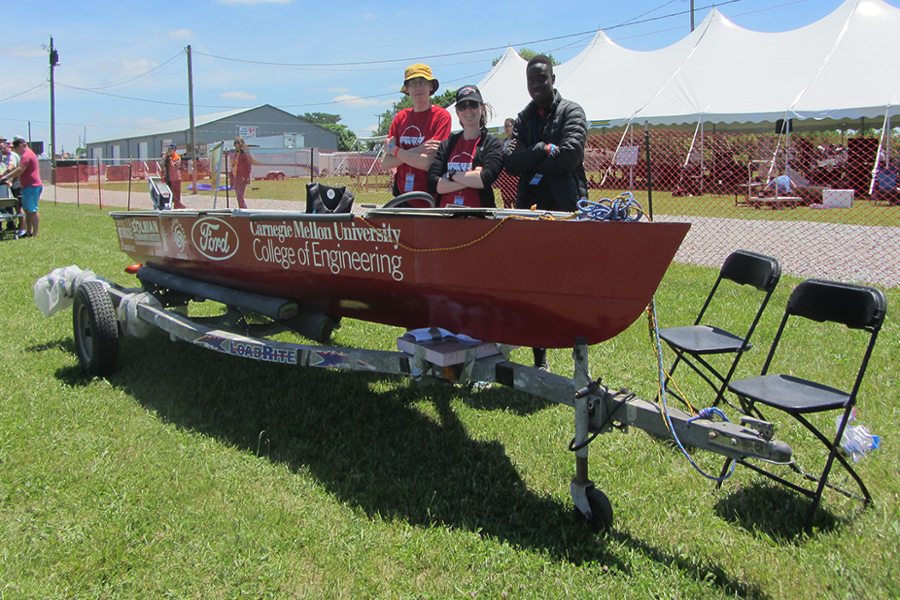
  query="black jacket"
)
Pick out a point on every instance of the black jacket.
point(488, 156)
point(562, 182)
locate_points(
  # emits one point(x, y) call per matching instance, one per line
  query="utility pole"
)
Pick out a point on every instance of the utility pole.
point(692, 15)
point(54, 60)
point(193, 135)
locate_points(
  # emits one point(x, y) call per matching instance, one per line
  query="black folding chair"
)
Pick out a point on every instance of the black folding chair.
point(692, 344)
point(856, 306)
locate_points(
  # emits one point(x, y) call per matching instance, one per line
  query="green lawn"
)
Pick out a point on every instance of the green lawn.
point(189, 474)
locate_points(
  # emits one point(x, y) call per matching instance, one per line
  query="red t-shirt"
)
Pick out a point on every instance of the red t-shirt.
point(412, 129)
point(461, 160)
point(31, 176)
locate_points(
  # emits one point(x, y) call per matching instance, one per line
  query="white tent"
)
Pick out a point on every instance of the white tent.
point(837, 68)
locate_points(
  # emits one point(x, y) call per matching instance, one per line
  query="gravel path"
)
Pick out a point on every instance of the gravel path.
point(863, 254)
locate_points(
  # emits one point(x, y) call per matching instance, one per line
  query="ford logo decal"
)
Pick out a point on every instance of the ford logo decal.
point(214, 238)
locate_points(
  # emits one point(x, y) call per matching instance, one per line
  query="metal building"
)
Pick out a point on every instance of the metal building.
point(262, 123)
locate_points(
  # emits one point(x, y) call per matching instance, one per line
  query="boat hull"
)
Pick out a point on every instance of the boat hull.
point(494, 276)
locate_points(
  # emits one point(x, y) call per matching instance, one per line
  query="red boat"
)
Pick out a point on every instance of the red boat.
point(514, 277)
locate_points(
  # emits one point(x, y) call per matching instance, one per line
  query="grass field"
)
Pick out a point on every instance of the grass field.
point(189, 474)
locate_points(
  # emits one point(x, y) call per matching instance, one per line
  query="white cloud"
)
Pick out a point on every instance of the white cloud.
point(357, 102)
point(24, 51)
point(370, 16)
point(238, 95)
point(182, 34)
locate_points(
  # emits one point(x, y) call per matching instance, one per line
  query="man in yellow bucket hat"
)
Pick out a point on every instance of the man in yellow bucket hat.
point(415, 133)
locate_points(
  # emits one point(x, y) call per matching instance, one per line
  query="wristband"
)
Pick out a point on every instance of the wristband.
point(550, 148)
point(450, 175)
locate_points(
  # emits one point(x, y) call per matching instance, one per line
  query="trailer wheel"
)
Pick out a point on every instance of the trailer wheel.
point(601, 510)
point(96, 330)
point(279, 176)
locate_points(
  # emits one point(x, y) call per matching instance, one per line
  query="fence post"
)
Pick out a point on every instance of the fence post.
point(130, 167)
point(99, 182)
point(227, 183)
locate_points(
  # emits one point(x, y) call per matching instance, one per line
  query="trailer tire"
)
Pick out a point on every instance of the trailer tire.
point(96, 330)
point(601, 510)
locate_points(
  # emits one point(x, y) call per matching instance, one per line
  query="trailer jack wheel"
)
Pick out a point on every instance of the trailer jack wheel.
point(601, 510)
point(96, 330)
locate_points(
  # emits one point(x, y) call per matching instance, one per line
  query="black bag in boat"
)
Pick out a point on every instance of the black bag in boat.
point(324, 199)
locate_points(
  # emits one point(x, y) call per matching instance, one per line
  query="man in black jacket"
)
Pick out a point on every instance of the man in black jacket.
point(547, 151)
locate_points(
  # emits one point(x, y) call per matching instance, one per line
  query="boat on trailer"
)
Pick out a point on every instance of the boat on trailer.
point(522, 278)
point(507, 277)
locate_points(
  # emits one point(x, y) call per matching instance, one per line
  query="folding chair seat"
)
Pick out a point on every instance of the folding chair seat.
point(855, 306)
point(695, 343)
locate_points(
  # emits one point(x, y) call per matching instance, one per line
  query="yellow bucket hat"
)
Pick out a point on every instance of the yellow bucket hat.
point(419, 70)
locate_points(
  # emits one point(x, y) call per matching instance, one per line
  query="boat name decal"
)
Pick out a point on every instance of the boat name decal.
point(269, 247)
point(352, 233)
point(337, 231)
point(312, 254)
point(145, 232)
point(214, 238)
point(253, 350)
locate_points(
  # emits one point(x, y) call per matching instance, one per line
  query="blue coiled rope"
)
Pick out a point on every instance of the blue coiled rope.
point(623, 207)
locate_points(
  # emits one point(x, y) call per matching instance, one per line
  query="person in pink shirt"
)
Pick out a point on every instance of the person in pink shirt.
point(30, 180)
point(416, 132)
point(241, 169)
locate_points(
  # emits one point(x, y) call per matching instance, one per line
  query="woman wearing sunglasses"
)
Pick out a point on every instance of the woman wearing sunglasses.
point(468, 163)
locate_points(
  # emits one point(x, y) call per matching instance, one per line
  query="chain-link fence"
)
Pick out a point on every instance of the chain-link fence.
point(840, 221)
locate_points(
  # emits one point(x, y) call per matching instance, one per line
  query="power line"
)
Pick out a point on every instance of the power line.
point(317, 66)
point(156, 68)
point(25, 92)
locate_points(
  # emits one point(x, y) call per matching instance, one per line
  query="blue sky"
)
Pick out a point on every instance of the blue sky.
point(123, 65)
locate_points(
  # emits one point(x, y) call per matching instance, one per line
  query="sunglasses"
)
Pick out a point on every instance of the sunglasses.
point(467, 105)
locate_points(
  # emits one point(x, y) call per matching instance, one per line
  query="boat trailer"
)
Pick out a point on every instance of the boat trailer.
point(104, 311)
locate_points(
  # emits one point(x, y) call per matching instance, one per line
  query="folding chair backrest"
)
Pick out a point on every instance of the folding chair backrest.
point(855, 306)
point(747, 268)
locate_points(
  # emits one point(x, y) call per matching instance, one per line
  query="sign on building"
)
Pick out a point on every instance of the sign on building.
point(248, 133)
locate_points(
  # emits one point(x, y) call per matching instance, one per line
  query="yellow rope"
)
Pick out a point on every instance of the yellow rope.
point(650, 325)
point(542, 217)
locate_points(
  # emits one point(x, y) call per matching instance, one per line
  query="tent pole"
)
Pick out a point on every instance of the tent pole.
point(881, 151)
point(702, 149)
point(649, 170)
point(631, 167)
point(614, 161)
